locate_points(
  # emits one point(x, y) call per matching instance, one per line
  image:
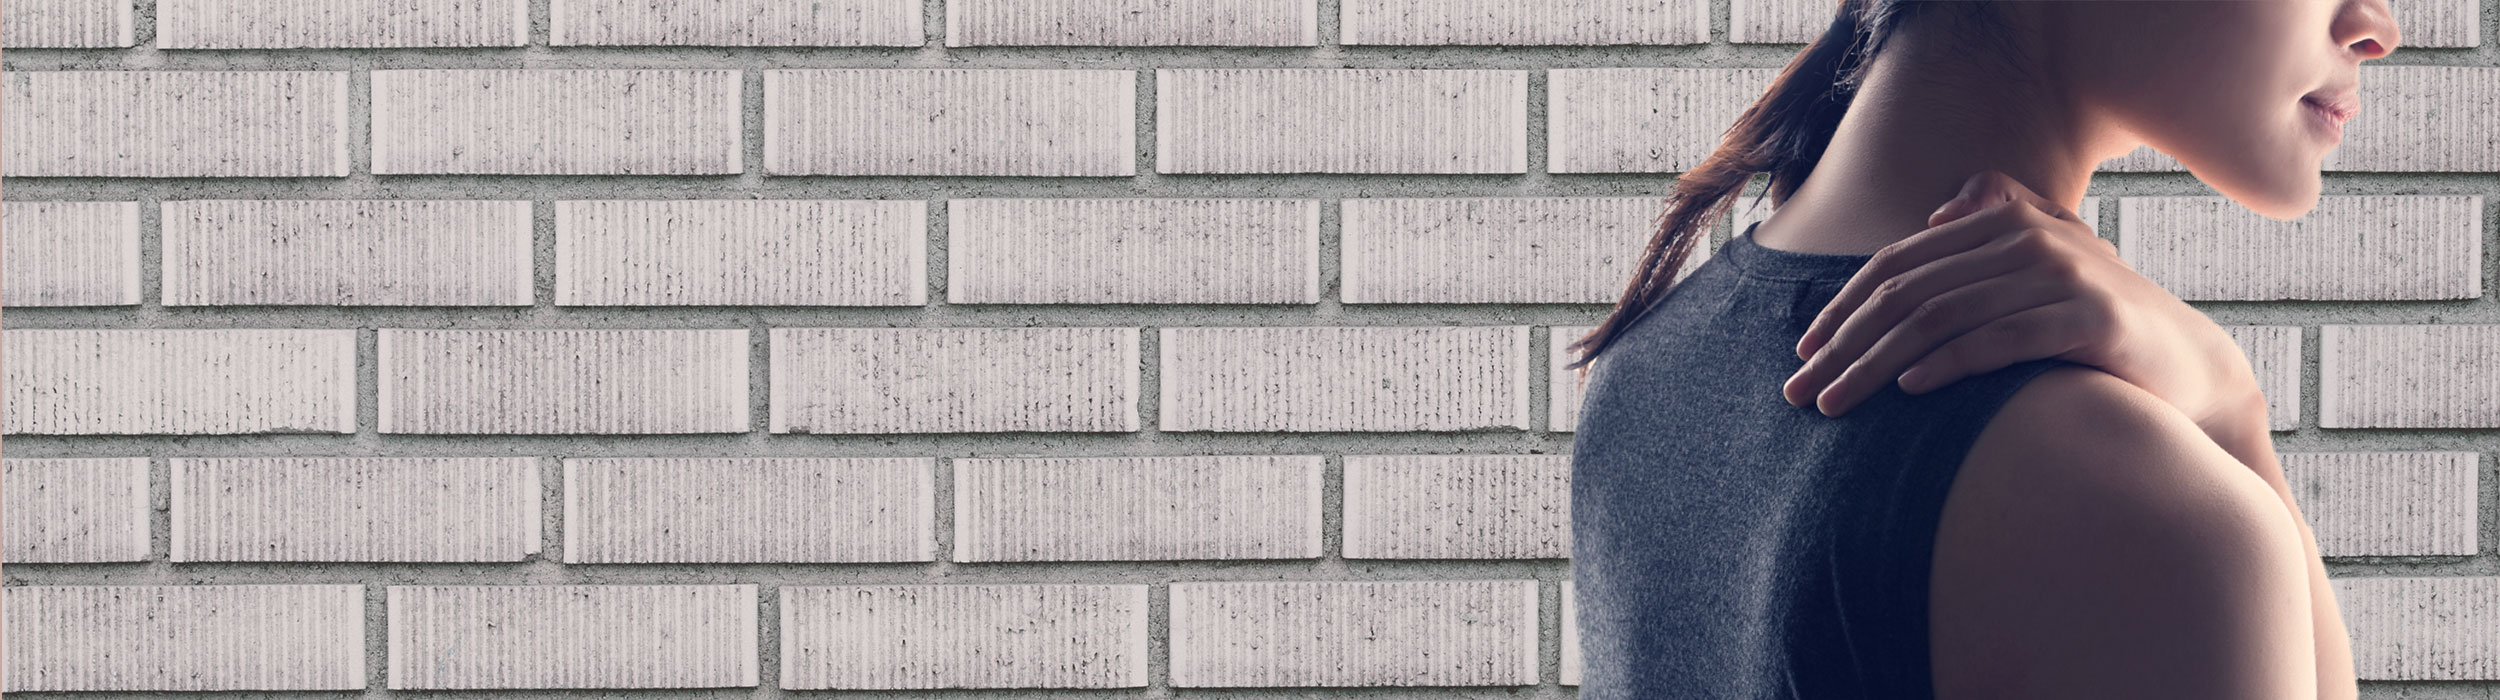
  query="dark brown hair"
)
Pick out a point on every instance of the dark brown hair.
point(1783, 133)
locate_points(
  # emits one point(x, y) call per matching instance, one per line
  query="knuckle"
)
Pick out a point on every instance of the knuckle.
point(1931, 315)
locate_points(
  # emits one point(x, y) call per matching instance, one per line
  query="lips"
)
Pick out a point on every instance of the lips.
point(2339, 107)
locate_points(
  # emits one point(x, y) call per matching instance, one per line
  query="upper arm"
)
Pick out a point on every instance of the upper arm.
point(2097, 545)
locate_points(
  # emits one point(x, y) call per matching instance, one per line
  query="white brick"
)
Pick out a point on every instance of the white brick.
point(1564, 387)
point(1506, 22)
point(2360, 248)
point(736, 23)
point(1643, 120)
point(1346, 378)
point(401, 509)
point(772, 252)
point(295, 24)
point(506, 637)
point(1458, 506)
point(1777, 21)
point(2428, 23)
point(2387, 503)
point(290, 637)
point(1571, 663)
point(1354, 633)
point(69, 24)
point(155, 123)
point(73, 510)
point(2422, 628)
point(362, 252)
point(178, 381)
point(1494, 250)
point(2423, 119)
point(954, 380)
point(2273, 354)
point(963, 636)
point(744, 510)
point(69, 253)
point(2409, 376)
point(1167, 23)
point(1138, 508)
point(950, 121)
point(1340, 120)
point(556, 122)
point(1132, 251)
point(563, 381)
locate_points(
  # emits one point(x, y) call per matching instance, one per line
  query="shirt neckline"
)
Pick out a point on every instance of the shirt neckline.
point(1772, 263)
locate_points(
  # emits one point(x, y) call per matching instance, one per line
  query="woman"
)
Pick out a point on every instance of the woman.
point(2076, 495)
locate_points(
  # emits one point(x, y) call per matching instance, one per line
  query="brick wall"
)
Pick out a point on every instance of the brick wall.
point(911, 344)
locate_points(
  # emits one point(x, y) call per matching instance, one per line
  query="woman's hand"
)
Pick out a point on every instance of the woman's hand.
point(2004, 275)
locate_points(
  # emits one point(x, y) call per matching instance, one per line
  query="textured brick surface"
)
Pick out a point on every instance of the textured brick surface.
point(1643, 120)
point(1340, 120)
point(950, 121)
point(294, 24)
point(572, 636)
point(2377, 248)
point(1495, 22)
point(73, 510)
point(178, 381)
point(2274, 356)
point(1096, 23)
point(1458, 507)
point(736, 22)
point(2387, 503)
point(1563, 386)
point(1494, 250)
point(563, 381)
point(1344, 378)
point(346, 252)
point(963, 636)
point(556, 122)
point(2423, 628)
point(1132, 251)
point(355, 509)
point(147, 123)
point(69, 253)
point(741, 252)
point(1138, 508)
point(2423, 119)
point(1354, 633)
point(2409, 376)
point(1571, 661)
point(65, 23)
point(754, 509)
point(954, 380)
point(187, 637)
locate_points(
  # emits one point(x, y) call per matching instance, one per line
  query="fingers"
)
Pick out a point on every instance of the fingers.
point(1890, 299)
point(1950, 316)
point(2014, 338)
point(1918, 250)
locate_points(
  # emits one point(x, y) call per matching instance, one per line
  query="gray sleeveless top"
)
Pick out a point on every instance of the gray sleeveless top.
point(1726, 544)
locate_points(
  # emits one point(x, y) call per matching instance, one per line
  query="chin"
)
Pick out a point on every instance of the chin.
point(2275, 191)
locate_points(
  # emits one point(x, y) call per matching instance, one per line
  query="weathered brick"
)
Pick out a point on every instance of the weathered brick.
point(749, 509)
point(2362, 248)
point(2273, 354)
point(508, 637)
point(954, 380)
point(1643, 120)
point(67, 24)
point(196, 637)
point(1095, 23)
point(1138, 508)
point(360, 252)
point(73, 510)
point(2409, 376)
point(770, 252)
point(1777, 21)
point(1344, 378)
point(178, 381)
point(2423, 118)
point(1499, 22)
point(159, 123)
point(1458, 506)
point(950, 121)
point(1132, 251)
point(295, 24)
point(1354, 633)
point(2387, 503)
point(2426, 628)
point(636, 121)
point(1494, 250)
point(735, 23)
point(963, 636)
point(411, 509)
point(1340, 120)
point(1571, 663)
point(1564, 386)
point(563, 381)
point(2442, 23)
point(69, 253)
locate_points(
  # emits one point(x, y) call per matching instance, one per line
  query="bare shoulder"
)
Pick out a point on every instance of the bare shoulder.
point(2095, 544)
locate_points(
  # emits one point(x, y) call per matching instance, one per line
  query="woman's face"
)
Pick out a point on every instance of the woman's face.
point(2219, 84)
